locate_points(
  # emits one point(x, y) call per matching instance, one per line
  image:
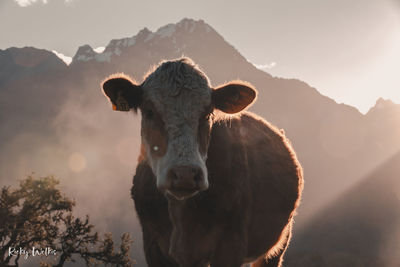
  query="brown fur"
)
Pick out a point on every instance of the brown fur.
point(245, 215)
point(142, 155)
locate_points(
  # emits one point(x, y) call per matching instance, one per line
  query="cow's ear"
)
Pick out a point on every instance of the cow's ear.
point(123, 93)
point(233, 97)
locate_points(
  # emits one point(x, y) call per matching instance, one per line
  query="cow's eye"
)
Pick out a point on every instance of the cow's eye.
point(205, 117)
point(148, 113)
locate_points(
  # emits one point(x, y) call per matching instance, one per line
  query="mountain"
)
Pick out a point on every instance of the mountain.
point(54, 118)
point(27, 78)
point(328, 136)
point(16, 63)
point(360, 228)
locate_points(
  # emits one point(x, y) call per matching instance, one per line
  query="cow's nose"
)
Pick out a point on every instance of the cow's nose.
point(185, 181)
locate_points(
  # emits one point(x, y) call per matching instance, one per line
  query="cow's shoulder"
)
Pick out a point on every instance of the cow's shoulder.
point(253, 125)
point(262, 136)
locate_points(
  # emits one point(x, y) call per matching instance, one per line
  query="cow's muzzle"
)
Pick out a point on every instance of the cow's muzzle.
point(185, 181)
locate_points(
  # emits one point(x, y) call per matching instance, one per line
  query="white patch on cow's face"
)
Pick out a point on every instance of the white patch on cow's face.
point(180, 97)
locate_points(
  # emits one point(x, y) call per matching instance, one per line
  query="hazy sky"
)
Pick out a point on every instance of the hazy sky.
point(348, 49)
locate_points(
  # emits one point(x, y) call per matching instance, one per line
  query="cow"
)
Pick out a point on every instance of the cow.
point(215, 185)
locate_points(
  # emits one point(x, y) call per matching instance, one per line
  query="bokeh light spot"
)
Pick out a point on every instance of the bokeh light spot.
point(77, 162)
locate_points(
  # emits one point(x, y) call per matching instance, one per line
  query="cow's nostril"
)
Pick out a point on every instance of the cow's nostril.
point(198, 176)
point(173, 176)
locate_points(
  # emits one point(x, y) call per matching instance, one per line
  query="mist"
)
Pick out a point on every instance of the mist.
point(89, 147)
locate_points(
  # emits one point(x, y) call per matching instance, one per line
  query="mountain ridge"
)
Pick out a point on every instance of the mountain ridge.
point(117, 46)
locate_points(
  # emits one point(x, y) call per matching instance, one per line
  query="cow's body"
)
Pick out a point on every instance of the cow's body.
point(255, 183)
point(210, 188)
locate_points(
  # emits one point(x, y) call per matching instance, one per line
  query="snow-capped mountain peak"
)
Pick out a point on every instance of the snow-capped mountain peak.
point(116, 46)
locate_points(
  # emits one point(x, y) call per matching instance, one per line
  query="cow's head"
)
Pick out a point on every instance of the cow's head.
point(176, 103)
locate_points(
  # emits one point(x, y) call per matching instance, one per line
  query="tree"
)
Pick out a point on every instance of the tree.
point(36, 219)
